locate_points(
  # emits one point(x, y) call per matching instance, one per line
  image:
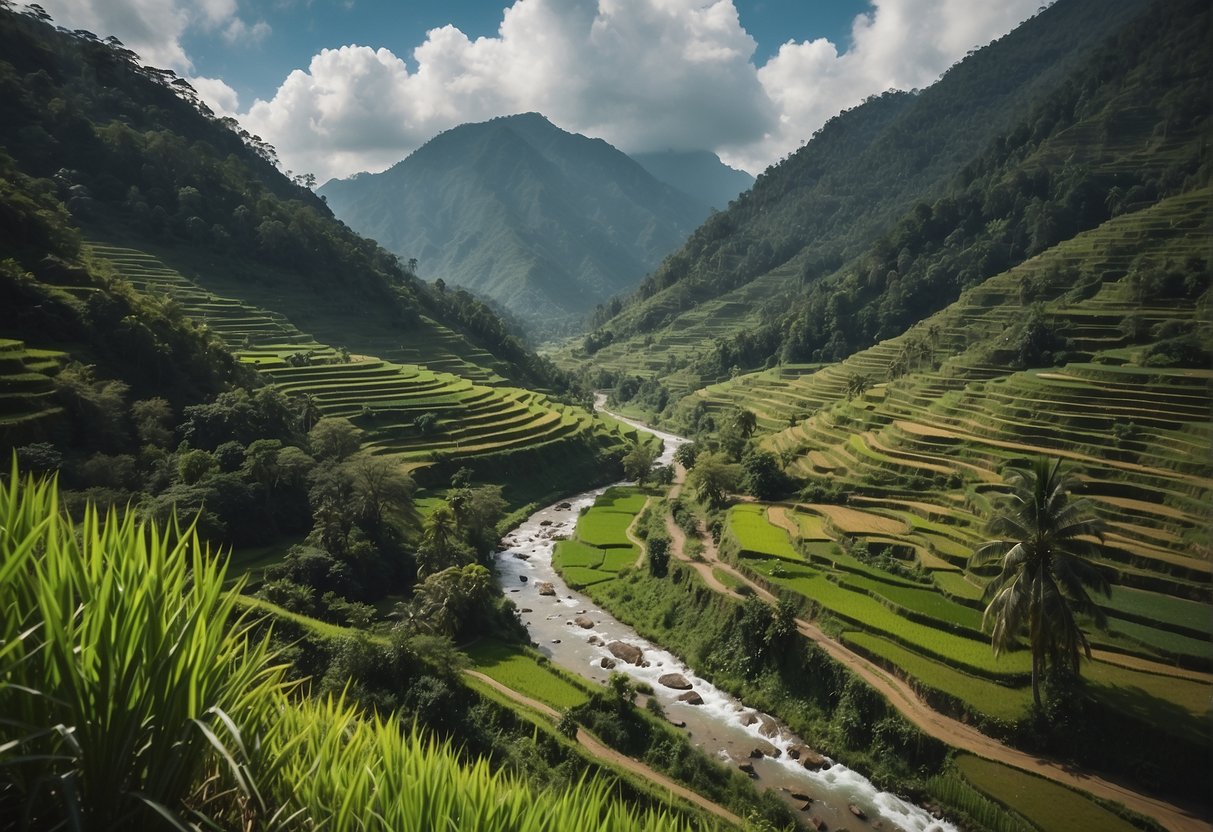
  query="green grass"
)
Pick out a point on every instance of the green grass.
point(869, 613)
point(1050, 806)
point(570, 553)
point(754, 533)
point(600, 549)
point(979, 695)
point(1168, 643)
point(606, 523)
point(580, 576)
point(731, 581)
point(1163, 608)
point(520, 669)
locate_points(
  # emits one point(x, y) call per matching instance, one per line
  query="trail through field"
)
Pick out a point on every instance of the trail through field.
point(596, 749)
point(630, 531)
point(913, 708)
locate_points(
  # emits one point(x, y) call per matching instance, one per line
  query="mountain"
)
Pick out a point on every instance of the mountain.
point(699, 173)
point(854, 181)
point(150, 251)
point(544, 222)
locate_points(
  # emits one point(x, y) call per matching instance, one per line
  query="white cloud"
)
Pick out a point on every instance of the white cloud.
point(218, 95)
point(899, 44)
point(154, 28)
point(237, 31)
point(642, 74)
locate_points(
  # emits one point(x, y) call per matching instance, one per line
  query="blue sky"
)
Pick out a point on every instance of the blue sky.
point(342, 86)
point(301, 29)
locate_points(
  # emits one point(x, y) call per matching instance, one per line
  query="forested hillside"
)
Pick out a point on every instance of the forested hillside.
point(819, 211)
point(136, 157)
point(544, 222)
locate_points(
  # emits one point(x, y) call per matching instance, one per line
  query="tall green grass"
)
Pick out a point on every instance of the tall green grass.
point(133, 695)
point(347, 774)
point(125, 692)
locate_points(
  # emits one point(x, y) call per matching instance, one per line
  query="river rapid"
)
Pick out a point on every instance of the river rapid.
point(722, 726)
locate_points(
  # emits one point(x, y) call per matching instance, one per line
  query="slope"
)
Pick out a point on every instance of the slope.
point(905, 445)
point(823, 206)
point(544, 222)
point(139, 161)
point(699, 173)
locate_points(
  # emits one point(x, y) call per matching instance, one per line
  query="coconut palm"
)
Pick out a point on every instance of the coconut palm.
point(1044, 539)
point(746, 422)
point(857, 384)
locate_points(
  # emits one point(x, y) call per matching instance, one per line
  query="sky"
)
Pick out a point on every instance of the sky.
point(342, 86)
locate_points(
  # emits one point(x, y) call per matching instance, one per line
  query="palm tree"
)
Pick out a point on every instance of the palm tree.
point(1043, 541)
point(746, 422)
point(857, 385)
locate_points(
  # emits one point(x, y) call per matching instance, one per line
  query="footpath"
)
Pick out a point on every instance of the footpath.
point(919, 713)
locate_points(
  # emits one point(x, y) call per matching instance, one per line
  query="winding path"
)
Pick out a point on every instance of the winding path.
point(927, 719)
point(596, 749)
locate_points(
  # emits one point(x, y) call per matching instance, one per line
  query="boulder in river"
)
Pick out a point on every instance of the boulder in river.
point(691, 698)
point(522, 578)
point(764, 749)
point(857, 812)
point(817, 823)
point(811, 760)
point(769, 726)
point(565, 505)
point(545, 522)
point(748, 768)
point(526, 609)
point(801, 796)
point(674, 680)
point(623, 651)
point(583, 622)
point(749, 719)
point(806, 806)
point(545, 588)
point(607, 663)
point(593, 640)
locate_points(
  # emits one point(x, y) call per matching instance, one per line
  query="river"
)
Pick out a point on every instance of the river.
point(718, 726)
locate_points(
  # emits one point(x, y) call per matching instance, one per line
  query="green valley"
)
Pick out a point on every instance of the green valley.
point(574, 489)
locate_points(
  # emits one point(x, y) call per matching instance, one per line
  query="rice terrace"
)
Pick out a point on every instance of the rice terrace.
point(636, 415)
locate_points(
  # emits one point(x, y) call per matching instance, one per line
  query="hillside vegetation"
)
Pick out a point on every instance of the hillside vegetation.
point(1096, 352)
point(546, 223)
point(1112, 125)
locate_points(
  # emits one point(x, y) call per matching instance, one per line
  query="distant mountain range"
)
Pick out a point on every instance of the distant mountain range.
point(544, 222)
point(699, 173)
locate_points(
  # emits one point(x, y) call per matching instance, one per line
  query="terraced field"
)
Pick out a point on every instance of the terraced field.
point(238, 309)
point(28, 412)
point(659, 353)
point(601, 547)
point(919, 458)
point(417, 412)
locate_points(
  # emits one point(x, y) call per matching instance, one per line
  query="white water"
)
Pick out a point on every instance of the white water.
point(716, 726)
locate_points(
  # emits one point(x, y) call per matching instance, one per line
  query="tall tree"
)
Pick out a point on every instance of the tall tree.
point(1043, 539)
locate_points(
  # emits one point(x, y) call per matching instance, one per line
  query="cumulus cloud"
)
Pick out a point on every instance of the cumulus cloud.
point(899, 44)
point(642, 74)
point(154, 28)
point(217, 95)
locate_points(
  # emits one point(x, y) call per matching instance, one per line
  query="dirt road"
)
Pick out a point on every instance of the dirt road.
point(596, 749)
point(927, 719)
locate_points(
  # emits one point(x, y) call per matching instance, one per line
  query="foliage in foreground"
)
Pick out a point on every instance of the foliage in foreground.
point(130, 701)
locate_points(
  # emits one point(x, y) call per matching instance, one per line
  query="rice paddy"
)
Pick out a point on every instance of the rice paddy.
point(600, 549)
point(421, 412)
point(919, 461)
